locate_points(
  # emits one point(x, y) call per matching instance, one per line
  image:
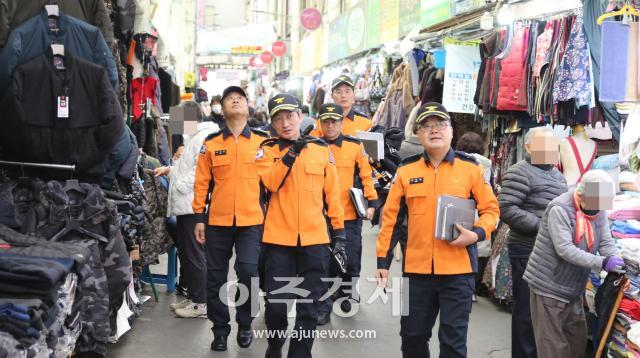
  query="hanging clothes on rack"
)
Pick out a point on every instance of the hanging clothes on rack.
point(512, 84)
point(17, 12)
point(83, 135)
point(34, 37)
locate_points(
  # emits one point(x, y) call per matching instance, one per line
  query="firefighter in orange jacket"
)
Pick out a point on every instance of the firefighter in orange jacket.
point(440, 273)
point(227, 171)
point(302, 179)
point(343, 94)
point(354, 171)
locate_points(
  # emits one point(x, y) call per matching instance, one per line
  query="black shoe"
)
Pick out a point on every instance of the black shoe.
point(345, 306)
point(324, 318)
point(273, 352)
point(219, 344)
point(245, 337)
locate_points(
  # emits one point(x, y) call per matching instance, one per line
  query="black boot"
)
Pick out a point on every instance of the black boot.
point(245, 337)
point(219, 344)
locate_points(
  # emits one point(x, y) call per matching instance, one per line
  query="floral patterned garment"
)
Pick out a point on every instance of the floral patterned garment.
point(542, 47)
point(574, 79)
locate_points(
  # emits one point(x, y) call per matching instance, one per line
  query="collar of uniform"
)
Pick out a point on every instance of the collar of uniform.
point(451, 155)
point(351, 115)
point(62, 23)
point(226, 132)
point(337, 141)
point(283, 143)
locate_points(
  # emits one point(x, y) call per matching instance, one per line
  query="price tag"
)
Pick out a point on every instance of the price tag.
point(63, 107)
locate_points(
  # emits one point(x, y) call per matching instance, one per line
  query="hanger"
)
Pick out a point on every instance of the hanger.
point(625, 11)
point(73, 224)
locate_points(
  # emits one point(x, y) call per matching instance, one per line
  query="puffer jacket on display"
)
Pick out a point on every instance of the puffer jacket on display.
point(512, 84)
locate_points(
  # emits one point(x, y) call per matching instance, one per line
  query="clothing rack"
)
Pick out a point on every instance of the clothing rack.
point(40, 165)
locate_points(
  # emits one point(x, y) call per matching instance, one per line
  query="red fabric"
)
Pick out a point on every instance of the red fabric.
point(512, 95)
point(583, 169)
point(141, 89)
point(583, 224)
point(630, 307)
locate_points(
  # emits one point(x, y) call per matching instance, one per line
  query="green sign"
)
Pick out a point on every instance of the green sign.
point(409, 16)
point(356, 24)
point(373, 23)
point(337, 39)
point(434, 11)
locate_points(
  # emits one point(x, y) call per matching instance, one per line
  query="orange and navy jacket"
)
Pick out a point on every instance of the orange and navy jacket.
point(354, 170)
point(351, 123)
point(414, 193)
point(227, 171)
point(300, 188)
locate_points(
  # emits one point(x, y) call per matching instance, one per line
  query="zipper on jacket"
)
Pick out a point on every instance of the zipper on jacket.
point(433, 242)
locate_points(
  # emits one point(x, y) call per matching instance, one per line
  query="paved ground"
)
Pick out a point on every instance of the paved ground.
point(157, 333)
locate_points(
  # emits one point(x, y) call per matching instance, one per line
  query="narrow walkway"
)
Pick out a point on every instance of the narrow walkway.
point(157, 333)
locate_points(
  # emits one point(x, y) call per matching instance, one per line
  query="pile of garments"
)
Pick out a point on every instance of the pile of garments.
point(71, 219)
point(39, 313)
point(625, 222)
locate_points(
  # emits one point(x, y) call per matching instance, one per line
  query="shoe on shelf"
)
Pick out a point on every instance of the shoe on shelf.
point(193, 310)
point(182, 304)
point(219, 344)
point(324, 318)
point(245, 337)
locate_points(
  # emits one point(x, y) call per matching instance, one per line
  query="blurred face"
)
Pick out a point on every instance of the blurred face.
point(287, 124)
point(598, 196)
point(343, 96)
point(235, 105)
point(435, 134)
point(331, 128)
point(543, 148)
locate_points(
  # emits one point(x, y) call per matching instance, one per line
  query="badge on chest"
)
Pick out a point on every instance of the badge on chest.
point(220, 152)
point(419, 180)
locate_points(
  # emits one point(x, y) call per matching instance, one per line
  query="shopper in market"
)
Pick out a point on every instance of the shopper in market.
point(526, 190)
point(191, 253)
point(233, 215)
point(354, 171)
point(216, 111)
point(440, 274)
point(573, 229)
point(343, 94)
point(302, 181)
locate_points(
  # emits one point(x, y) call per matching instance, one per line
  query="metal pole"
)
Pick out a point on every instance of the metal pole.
point(40, 165)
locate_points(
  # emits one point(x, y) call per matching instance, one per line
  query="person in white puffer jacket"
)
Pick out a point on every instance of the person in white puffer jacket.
point(191, 254)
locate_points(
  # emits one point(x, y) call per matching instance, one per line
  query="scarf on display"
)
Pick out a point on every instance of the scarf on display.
point(583, 224)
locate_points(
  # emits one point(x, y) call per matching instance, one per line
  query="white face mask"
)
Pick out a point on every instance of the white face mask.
point(216, 108)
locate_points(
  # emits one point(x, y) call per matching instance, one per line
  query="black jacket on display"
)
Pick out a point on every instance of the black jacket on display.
point(32, 131)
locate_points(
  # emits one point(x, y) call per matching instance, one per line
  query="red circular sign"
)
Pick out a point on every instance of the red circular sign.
point(266, 57)
point(255, 62)
point(279, 48)
point(311, 18)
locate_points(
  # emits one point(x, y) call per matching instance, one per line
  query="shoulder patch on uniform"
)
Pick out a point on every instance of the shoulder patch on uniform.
point(203, 149)
point(353, 139)
point(213, 135)
point(270, 142)
point(360, 114)
point(411, 159)
point(259, 153)
point(260, 132)
point(466, 157)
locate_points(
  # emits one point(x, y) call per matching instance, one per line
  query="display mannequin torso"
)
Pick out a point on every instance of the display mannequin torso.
point(586, 149)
